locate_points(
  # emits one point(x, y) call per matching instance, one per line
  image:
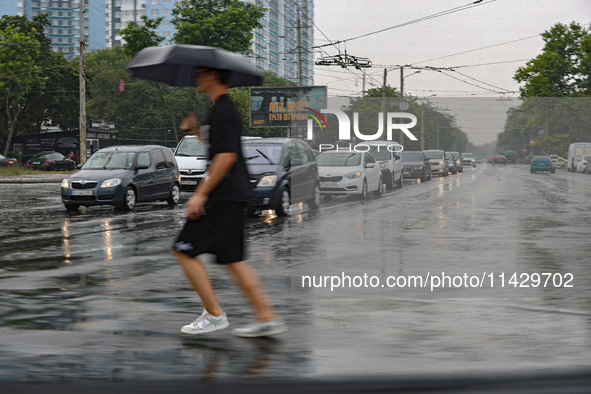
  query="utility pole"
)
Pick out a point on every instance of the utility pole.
point(384, 99)
point(299, 51)
point(363, 85)
point(422, 126)
point(401, 133)
point(82, 124)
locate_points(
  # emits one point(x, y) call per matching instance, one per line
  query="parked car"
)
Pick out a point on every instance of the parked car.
point(388, 160)
point(191, 158)
point(576, 152)
point(452, 165)
point(582, 164)
point(51, 161)
point(122, 176)
point(499, 159)
point(528, 158)
point(542, 163)
point(282, 171)
point(468, 159)
point(7, 161)
point(439, 164)
point(415, 165)
point(349, 173)
point(458, 159)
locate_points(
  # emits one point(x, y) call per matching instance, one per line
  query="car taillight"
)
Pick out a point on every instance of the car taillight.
point(505, 159)
point(549, 164)
point(47, 162)
point(28, 162)
point(533, 164)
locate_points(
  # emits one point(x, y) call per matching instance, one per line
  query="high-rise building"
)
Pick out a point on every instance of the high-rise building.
point(282, 45)
point(64, 17)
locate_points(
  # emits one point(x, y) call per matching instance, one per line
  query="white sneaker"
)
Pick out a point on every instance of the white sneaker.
point(206, 323)
point(261, 329)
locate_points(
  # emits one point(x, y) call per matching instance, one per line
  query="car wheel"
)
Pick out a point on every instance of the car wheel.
point(175, 195)
point(284, 202)
point(314, 203)
point(129, 199)
point(72, 207)
point(363, 194)
point(531, 171)
point(378, 192)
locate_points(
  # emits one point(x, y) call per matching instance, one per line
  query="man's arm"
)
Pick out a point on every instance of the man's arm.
point(221, 164)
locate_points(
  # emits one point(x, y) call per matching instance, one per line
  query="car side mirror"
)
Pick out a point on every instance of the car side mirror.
point(143, 166)
point(370, 165)
point(297, 162)
point(79, 166)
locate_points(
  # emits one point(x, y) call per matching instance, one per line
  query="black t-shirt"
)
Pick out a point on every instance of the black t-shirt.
point(225, 130)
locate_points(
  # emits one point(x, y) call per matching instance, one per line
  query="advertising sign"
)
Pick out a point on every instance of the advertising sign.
point(281, 107)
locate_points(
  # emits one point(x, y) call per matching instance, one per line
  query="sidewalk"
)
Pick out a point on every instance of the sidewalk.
point(41, 178)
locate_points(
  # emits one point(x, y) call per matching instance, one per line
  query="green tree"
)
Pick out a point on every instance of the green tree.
point(564, 66)
point(139, 36)
point(227, 24)
point(22, 42)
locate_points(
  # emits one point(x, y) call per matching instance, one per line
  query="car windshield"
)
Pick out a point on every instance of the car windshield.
point(110, 161)
point(339, 159)
point(468, 155)
point(434, 154)
point(41, 156)
point(380, 152)
point(411, 156)
point(262, 153)
point(456, 155)
point(191, 147)
point(540, 158)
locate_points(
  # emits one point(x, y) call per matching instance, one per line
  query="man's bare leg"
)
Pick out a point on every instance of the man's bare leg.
point(250, 283)
point(197, 275)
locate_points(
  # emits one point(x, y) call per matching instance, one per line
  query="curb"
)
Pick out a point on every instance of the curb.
point(31, 180)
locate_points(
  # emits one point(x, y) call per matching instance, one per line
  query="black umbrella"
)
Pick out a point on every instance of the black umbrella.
point(176, 65)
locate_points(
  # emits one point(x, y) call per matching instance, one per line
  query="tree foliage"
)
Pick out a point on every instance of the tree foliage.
point(226, 24)
point(138, 36)
point(564, 66)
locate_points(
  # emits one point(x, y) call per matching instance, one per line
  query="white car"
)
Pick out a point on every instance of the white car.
point(191, 158)
point(349, 173)
point(387, 154)
point(582, 164)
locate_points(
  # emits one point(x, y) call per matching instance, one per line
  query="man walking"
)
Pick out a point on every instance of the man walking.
point(215, 222)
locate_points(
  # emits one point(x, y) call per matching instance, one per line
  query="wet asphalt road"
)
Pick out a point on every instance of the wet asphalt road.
point(95, 294)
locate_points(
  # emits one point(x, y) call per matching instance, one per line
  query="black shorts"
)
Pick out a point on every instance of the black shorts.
point(220, 232)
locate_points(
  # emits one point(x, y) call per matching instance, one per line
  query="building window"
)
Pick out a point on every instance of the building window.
point(166, 23)
point(154, 1)
point(155, 12)
point(167, 11)
point(166, 34)
point(165, 1)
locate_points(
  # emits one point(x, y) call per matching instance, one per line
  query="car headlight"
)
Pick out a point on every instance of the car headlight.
point(65, 183)
point(354, 175)
point(111, 182)
point(267, 181)
point(441, 162)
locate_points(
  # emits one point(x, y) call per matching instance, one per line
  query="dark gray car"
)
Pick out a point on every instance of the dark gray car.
point(122, 176)
point(415, 165)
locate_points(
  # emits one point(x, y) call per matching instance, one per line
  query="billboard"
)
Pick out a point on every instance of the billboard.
point(284, 107)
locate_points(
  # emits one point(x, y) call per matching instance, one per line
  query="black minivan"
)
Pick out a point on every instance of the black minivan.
point(282, 171)
point(122, 176)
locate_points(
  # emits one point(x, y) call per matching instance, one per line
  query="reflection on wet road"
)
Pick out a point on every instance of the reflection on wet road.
point(96, 294)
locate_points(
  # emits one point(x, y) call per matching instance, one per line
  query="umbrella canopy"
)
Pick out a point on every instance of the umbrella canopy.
point(176, 65)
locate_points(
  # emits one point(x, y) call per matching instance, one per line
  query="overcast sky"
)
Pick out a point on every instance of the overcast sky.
point(510, 29)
